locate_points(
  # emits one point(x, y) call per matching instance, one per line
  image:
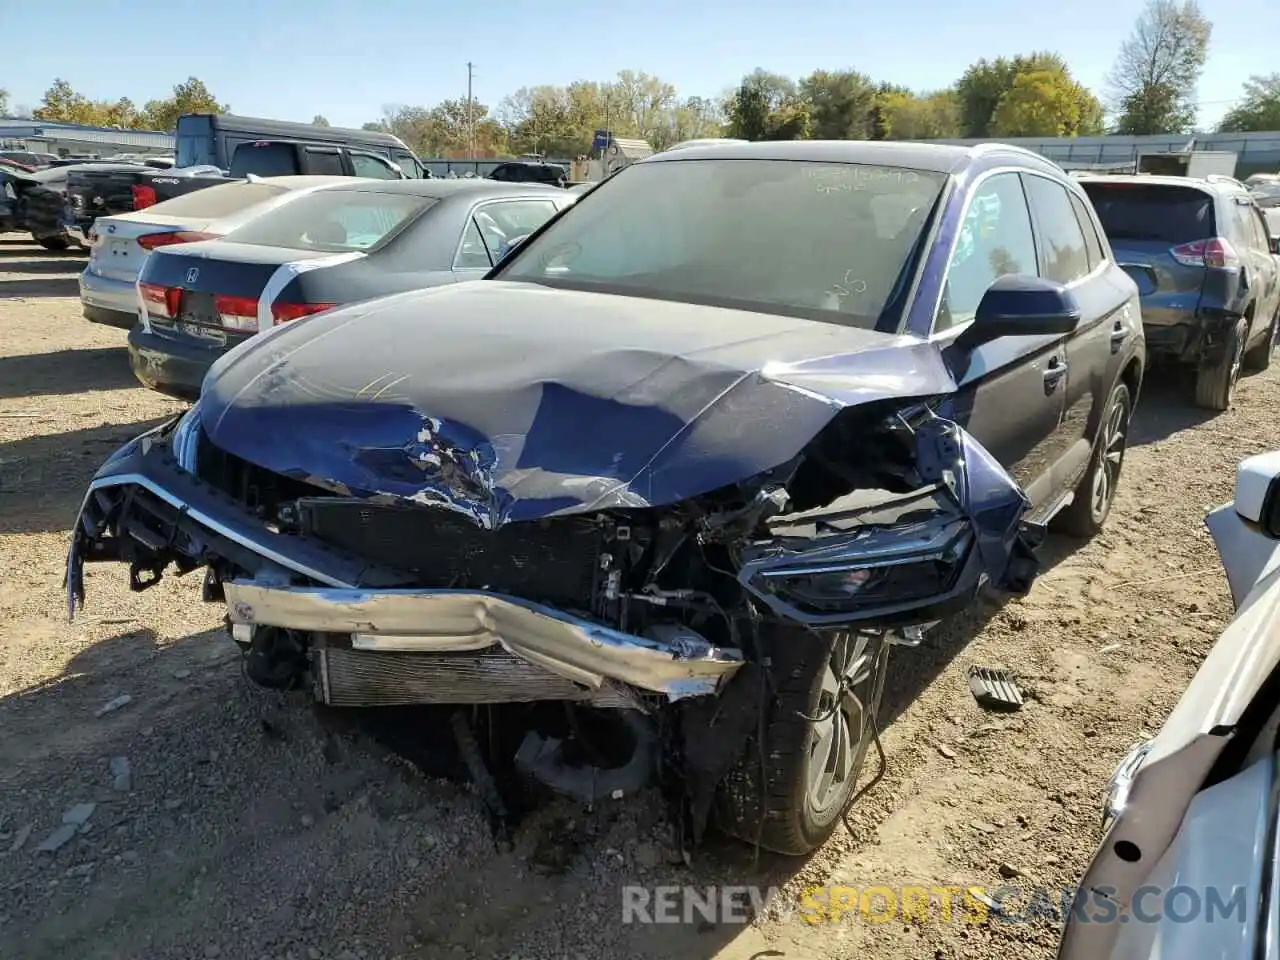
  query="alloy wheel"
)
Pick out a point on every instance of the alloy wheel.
point(1106, 476)
point(840, 734)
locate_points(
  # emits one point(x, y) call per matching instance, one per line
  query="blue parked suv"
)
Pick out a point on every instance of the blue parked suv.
point(1203, 258)
point(691, 459)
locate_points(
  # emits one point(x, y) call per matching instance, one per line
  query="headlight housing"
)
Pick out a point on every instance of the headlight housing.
point(185, 438)
point(886, 564)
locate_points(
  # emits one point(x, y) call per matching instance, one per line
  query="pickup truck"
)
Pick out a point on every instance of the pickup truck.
point(94, 193)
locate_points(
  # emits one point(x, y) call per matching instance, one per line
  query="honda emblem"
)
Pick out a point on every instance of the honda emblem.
point(193, 275)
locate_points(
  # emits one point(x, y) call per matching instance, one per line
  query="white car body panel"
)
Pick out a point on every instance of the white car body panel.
point(1162, 808)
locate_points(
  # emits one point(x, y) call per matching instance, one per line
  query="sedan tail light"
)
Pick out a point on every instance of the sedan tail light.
point(236, 313)
point(1214, 252)
point(149, 241)
point(284, 312)
point(143, 197)
point(161, 301)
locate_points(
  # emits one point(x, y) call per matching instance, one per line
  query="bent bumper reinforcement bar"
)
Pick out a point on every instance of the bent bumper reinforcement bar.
point(450, 621)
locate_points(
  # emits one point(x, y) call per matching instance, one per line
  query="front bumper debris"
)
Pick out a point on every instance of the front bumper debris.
point(142, 508)
point(361, 625)
point(678, 665)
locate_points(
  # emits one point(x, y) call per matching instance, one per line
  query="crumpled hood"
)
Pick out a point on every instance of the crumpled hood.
point(511, 401)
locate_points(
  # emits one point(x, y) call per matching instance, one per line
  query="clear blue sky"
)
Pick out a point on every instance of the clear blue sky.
point(292, 59)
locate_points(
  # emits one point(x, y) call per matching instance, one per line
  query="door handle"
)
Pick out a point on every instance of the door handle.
point(1054, 372)
point(1119, 333)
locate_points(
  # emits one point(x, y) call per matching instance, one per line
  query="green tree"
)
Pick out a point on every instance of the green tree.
point(691, 119)
point(62, 104)
point(191, 96)
point(1045, 103)
point(320, 120)
point(981, 86)
point(540, 120)
point(840, 103)
point(927, 116)
point(4, 102)
point(878, 122)
point(1153, 82)
point(768, 106)
point(1259, 109)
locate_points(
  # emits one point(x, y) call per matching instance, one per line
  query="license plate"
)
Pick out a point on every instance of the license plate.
point(202, 332)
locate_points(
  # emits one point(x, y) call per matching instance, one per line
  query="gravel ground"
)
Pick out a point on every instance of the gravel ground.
point(227, 821)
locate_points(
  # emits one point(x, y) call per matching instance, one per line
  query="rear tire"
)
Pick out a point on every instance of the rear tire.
point(1259, 358)
point(1096, 492)
point(1216, 384)
point(810, 767)
point(53, 243)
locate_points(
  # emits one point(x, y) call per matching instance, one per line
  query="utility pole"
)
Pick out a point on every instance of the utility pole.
point(471, 115)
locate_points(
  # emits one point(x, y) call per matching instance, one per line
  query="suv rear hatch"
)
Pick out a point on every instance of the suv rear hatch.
point(1166, 236)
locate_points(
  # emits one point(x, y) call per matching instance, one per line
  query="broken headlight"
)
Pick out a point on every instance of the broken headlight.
point(186, 436)
point(873, 572)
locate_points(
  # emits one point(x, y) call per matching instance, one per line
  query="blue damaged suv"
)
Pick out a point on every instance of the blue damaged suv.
point(690, 459)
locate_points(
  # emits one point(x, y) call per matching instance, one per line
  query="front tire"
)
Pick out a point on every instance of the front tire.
point(810, 766)
point(1091, 504)
point(1216, 384)
point(58, 244)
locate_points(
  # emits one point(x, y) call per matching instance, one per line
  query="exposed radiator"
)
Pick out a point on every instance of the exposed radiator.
point(363, 678)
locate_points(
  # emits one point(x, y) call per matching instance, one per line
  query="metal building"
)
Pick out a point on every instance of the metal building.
point(1255, 152)
point(71, 139)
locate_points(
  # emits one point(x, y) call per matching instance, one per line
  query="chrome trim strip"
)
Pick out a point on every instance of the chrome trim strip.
point(435, 620)
point(261, 548)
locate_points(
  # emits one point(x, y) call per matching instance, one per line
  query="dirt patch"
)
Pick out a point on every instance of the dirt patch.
point(232, 822)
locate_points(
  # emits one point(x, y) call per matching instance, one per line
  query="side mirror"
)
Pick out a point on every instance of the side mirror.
point(1257, 497)
point(1018, 306)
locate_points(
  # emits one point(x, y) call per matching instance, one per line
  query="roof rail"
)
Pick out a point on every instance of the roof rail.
point(1223, 178)
point(993, 145)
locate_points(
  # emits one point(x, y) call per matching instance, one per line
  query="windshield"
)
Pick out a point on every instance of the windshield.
point(337, 219)
point(829, 241)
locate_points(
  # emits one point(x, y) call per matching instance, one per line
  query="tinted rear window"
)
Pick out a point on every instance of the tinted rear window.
point(266, 160)
point(336, 220)
point(220, 201)
point(1149, 212)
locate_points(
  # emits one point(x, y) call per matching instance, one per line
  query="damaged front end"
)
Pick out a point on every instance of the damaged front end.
point(862, 515)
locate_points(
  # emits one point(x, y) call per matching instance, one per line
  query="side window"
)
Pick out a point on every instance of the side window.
point(502, 221)
point(473, 254)
point(324, 162)
point(1062, 248)
point(367, 165)
point(1092, 245)
point(995, 240)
